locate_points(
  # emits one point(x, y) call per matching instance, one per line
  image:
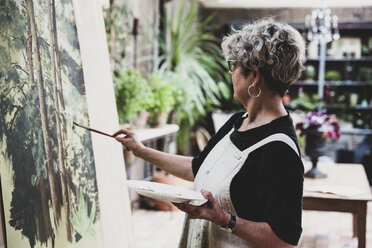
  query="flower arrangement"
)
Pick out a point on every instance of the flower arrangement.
point(320, 122)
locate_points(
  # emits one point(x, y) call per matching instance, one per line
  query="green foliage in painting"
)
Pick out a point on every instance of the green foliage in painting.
point(83, 218)
point(48, 158)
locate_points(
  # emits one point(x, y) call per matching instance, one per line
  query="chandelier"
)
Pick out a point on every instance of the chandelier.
point(321, 28)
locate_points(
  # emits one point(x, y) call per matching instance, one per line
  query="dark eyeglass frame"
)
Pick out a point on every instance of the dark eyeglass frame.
point(232, 65)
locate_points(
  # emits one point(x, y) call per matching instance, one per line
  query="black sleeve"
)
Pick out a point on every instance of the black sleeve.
point(280, 182)
point(198, 160)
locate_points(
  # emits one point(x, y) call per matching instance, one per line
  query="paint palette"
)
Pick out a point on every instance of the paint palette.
point(166, 192)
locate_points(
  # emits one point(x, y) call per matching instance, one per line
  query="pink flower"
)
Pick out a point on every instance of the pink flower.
point(320, 122)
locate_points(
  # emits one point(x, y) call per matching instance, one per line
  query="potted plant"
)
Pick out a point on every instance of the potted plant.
point(133, 97)
point(306, 102)
point(332, 75)
point(317, 127)
point(309, 73)
point(161, 100)
point(365, 74)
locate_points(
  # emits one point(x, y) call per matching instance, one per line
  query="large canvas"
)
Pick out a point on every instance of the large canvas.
point(47, 166)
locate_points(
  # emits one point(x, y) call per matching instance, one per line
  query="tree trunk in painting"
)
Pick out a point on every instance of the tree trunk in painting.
point(56, 105)
point(59, 117)
point(29, 54)
point(67, 178)
point(44, 230)
point(43, 221)
point(43, 113)
point(59, 80)
point(59, 69)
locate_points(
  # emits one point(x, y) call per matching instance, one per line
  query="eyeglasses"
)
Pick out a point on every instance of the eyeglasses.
point(232, 65)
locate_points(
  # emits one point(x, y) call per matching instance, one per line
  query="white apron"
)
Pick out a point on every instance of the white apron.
point(215, 175)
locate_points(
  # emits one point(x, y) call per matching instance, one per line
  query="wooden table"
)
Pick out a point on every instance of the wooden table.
point(343, 175)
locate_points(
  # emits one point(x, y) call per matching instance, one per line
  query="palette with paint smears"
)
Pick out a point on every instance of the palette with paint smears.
point(166, 192)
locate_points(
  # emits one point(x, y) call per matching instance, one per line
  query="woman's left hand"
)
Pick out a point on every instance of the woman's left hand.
point(209, 211)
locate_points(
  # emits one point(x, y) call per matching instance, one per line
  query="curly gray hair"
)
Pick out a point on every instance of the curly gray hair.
point(277, 49)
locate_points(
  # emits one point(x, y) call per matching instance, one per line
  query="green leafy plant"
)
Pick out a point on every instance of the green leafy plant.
point(332, 75)
point(309, 73)
point(366, 51)
point(306, 102)
point(365, 74)
point(193, 56)
point(133, 96)
point(162, 99)
point(82, 220)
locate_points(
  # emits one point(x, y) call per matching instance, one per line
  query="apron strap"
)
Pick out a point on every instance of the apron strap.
point(274, 137)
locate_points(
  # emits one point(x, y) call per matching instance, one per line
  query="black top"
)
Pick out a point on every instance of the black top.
point(268, 187)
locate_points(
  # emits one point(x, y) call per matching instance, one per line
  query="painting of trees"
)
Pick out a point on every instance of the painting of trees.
point(46, 166)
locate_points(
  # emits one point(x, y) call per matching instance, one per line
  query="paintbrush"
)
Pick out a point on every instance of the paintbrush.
point(93, 130)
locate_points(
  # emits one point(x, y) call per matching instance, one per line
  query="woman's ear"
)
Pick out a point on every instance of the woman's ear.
point(256, 75)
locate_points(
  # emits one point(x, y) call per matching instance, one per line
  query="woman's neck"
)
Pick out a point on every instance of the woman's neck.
point(262, 111)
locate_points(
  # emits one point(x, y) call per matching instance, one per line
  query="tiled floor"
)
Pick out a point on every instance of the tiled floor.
point(162, 229)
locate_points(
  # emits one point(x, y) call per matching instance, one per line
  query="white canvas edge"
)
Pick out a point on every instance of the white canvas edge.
point(2, 233)
point(108, 154)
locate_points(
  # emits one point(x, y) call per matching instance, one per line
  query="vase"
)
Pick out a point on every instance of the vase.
point(314, 148)
point(159, 119)
point(141, 120)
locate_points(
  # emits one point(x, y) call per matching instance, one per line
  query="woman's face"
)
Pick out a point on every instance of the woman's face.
point(240, 84)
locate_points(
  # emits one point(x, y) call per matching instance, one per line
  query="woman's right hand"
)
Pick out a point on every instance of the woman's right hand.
point(130, 141)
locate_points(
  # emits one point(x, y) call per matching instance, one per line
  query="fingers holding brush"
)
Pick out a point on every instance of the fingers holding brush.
point(129, 140)
point(125, 136)
point(124, 131)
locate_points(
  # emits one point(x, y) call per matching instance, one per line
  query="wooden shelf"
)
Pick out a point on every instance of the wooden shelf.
point(359, 107)
point(348, 67)
point(341, 26)
point(344, 59)
point(347, 106)
point(334, 83)
point(356, 131)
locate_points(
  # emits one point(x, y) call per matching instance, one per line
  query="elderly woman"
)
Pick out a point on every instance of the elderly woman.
point(250, 171)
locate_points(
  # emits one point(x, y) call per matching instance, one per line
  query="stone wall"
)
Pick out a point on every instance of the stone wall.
point(142, 50)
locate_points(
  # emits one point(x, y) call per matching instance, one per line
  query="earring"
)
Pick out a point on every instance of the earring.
point(249, 91)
